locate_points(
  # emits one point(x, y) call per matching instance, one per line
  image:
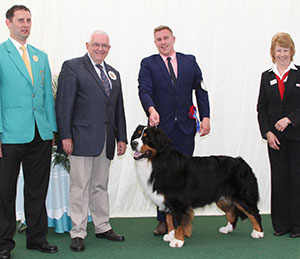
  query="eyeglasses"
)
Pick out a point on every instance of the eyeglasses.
point(96, 45)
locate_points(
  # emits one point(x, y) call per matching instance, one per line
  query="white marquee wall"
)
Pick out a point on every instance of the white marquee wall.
point(230, 39)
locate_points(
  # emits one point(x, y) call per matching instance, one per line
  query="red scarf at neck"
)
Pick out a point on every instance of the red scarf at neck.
point(281, 83)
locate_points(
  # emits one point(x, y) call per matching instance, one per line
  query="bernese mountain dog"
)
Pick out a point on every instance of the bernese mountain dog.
point(177, 184)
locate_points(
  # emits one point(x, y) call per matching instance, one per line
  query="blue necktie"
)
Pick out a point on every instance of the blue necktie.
point(104, 80)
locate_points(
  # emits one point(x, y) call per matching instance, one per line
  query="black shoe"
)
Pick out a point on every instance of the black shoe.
point(110, 235)
point(43, 247)
point(294, 235)
point(4, 254)
point(77, 244)
point(278, 234)
point(161, 229)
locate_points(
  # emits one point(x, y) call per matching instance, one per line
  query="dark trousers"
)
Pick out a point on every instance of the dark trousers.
point(183, 143)
point(36, 160)
point(285, 186)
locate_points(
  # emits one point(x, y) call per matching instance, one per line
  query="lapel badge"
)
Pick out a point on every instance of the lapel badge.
point(273, 82)
point(35, 58)
point(297, 85)
point(112, 75)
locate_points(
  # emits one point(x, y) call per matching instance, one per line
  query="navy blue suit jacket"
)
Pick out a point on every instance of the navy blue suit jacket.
point(172, 102)
point(85, 113)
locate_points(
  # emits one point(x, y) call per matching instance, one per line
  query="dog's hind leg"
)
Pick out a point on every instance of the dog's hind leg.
point(171, 229)
point(255, 219)
point(230, 211)
point(186, 222)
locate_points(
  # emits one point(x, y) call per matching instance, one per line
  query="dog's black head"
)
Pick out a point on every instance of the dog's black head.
point(147, 142)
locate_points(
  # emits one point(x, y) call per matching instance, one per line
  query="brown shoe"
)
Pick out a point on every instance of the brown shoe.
point(161, 228)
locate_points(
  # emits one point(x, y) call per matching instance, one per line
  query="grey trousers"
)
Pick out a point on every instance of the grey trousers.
point(88, 191)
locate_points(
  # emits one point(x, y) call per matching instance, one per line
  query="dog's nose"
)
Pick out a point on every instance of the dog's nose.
point(134, 145)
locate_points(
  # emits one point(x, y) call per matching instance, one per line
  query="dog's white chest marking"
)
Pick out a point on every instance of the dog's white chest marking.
point(144, 169)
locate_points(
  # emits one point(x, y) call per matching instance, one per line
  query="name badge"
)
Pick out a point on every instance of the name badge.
point(203, 86)
point(273, 82)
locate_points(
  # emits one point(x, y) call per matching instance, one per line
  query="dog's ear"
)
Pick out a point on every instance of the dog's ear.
point(140, 127)
point(159, 139)
point(137, 132)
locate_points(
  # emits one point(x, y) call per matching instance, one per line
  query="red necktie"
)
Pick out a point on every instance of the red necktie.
point(281, 83)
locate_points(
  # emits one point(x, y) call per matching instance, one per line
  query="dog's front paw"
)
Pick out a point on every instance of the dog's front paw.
point(176, 243)
point(169, 237)
point(227, 229)
point(256, 234)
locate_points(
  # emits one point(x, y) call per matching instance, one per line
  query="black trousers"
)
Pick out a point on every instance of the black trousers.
point(35, 158)
point(285, 186)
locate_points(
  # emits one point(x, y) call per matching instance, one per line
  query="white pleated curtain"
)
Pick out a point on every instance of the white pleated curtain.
point(231, 41)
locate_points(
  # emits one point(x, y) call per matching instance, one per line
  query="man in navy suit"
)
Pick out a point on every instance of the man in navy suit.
point(166, 83)
point(91, 118)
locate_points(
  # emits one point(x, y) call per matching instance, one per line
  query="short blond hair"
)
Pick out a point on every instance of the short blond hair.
point(162, 27)
point(283, 40)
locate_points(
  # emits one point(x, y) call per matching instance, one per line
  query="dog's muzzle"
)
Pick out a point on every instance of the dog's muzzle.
point(134, 145)
point(137, 154)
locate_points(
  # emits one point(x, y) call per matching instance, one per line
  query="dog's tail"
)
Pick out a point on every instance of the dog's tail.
point(247, 182)
point(246, 194)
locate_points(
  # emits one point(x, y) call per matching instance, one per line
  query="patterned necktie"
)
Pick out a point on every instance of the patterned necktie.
point(172, 74)
point(26, 61)
point(104, 80)
point(281, 83)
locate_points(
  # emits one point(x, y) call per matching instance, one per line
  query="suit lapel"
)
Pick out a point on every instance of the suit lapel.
point(164, 69)
point(15, 56)
point(112, 77)
point(180, 65)
point(274, 87)
point(90, 68)
point(292, 77)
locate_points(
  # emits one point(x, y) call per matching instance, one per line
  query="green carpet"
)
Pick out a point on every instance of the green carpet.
point(140, 243)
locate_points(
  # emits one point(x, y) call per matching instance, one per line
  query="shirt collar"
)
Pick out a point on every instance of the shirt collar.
point(93, 62)
point(173, 56)
point(17, 44)
point(275, 70)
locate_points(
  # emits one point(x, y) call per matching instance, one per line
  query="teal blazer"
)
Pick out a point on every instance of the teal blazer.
point(22, 104)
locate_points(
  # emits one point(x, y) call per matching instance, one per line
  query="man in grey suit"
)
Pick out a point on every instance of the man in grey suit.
point(91, 118)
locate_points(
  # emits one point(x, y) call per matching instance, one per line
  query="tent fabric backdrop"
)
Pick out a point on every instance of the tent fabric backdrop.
point(231, 41)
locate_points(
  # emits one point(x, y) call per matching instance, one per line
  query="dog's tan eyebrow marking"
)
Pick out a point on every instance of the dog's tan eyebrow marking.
point(145, 135)
point(139, 132)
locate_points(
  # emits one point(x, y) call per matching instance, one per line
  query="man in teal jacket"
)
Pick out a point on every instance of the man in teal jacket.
point(27, 127)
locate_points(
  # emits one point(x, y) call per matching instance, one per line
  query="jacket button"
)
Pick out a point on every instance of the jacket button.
point(33, 95)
